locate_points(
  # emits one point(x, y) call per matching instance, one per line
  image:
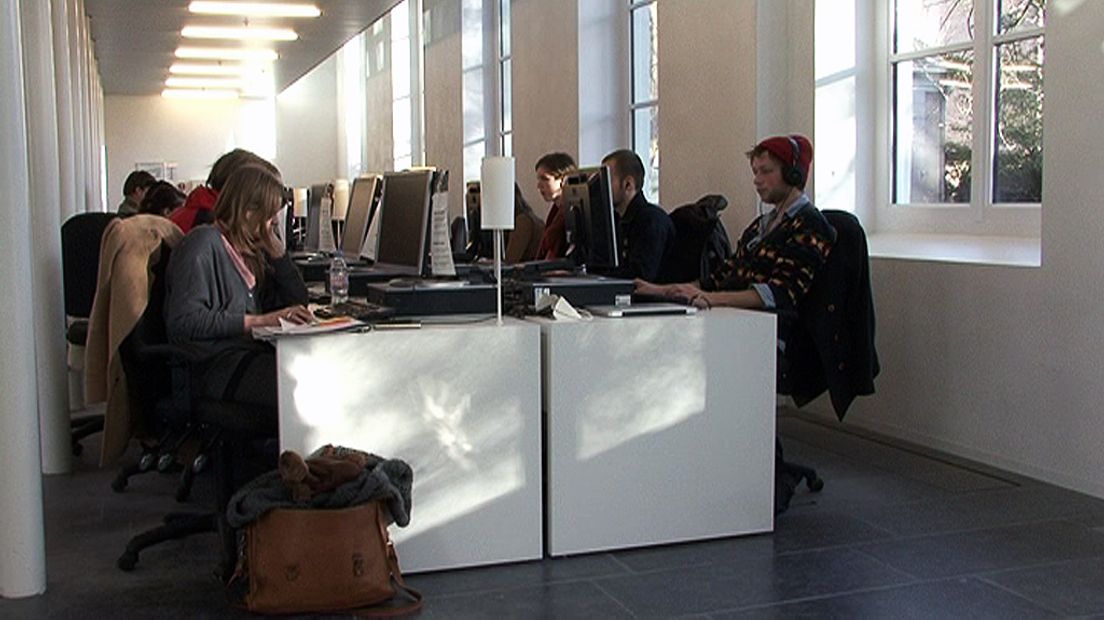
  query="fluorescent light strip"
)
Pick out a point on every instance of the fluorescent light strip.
point(255, 9)
point(182, 68)
point(198, 82)
point(175, 93)
point(216, 53)
point(240, 34)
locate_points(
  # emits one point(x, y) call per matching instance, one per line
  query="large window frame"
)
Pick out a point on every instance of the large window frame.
point(981, 215)
point(409, 36)
point(644, 104)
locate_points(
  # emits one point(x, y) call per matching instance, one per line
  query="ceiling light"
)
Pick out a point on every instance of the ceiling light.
point(217, 53)
point(198, 82)
point(183, 68)
point(255, 9)
point(175, 93)
point(241, 34)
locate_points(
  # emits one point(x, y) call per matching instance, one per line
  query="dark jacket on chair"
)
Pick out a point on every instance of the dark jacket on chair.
point(831, 343)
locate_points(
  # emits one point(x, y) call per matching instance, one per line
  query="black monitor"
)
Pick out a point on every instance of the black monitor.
point(363, 201)
point(315, 194)
point(404, 219)
point(480, 242)
point(589, 220)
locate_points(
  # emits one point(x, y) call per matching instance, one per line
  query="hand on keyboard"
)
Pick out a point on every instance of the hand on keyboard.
point(359, 310)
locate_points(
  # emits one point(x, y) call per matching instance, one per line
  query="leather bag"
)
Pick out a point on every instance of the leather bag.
point(318, 560)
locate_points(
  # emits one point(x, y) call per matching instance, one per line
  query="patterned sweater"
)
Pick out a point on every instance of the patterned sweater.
point(781, 264)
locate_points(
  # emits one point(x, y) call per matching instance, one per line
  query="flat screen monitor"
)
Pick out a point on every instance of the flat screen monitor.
point(589, 219)
point(314, 215)
point(404, 219)
point(363, 200)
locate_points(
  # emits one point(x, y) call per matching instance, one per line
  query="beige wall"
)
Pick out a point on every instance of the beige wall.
point(306, 128)
point(444, 102)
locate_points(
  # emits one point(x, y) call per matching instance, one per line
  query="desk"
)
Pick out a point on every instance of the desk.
point(460, 403)
point(658, 429)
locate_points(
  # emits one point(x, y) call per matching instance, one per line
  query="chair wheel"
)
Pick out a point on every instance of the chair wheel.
point(815, 484)
point(145, 462)
point(199, 463)
point(164, 463)
point(127, 561)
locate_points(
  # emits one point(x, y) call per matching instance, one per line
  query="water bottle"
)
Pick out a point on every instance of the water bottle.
point(339, 280)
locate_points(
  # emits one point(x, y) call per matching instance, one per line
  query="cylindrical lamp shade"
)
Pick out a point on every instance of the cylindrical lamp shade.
point(497, 193)
point(299, 205)
point(340, 199)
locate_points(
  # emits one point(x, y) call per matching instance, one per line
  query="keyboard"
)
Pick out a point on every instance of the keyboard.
point(360, 310)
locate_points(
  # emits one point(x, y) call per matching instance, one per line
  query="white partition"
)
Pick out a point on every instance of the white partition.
point(658, 429)
point(460, 404)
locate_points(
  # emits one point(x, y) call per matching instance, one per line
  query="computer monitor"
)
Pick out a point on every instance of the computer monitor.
point(404, 219)
point(480, 242)
point(314, 214)
point(589, 220)
point(363, 202)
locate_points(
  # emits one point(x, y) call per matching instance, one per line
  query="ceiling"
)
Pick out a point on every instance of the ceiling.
point(135, 41)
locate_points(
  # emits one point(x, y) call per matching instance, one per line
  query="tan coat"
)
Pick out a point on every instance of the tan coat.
point(129, 249)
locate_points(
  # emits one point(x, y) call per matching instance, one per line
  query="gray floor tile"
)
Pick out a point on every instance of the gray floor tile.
point(989, 550)
point(648, 559)
point(802, 529)
point(1075, 588)
point(516, 575)
point(562, 600)
point(857, 494)
point(958, 598)
point(748, 582)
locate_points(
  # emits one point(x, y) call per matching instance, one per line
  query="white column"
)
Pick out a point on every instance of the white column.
point(22, 540)
point(46, 285)
point(77, 103)
point(63, 82)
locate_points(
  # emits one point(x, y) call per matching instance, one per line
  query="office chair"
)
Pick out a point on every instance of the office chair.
point(80, 261)
point(830, 343)
point(701, 241)
point(169, 381)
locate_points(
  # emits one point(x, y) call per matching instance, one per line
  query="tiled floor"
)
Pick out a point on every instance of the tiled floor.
point(898, 532)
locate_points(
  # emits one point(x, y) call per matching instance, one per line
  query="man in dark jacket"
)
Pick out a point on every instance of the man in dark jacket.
point(646, 235)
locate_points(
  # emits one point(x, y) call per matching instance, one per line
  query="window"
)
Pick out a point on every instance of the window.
point(351, 60)
point(835, 68)
point(967, 102)
point(645, 91)
point(472, 66)
point(406, 84)
point(505, 110)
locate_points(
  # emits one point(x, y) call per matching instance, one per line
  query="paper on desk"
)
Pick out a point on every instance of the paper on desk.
point(287, 328)
point(440, 252)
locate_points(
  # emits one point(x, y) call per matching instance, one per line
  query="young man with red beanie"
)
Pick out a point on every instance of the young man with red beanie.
point(200, 204)
point(779, 253)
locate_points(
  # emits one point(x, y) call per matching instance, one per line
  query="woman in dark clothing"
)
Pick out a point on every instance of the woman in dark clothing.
point(551, 171)
point(230, 276)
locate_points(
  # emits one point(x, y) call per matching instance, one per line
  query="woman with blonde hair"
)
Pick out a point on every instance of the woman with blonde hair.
point(232, 275)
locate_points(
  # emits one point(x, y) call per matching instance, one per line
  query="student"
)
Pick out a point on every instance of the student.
point(161, 199)
point(646, 234)
point(198, 208)
point(551, 170)
point(230, 276)
point(779, 253)
point(523, 242)
point(134, 190)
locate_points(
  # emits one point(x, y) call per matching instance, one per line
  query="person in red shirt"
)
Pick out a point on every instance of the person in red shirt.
point(552, 169)
point(199, 207)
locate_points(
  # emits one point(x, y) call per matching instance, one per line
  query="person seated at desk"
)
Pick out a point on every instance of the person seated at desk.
point(645, 233)
point(135, 187)
point(199, 207)
point(779, 253)
point(161, 199)
point(228, 277)
point(552, 169)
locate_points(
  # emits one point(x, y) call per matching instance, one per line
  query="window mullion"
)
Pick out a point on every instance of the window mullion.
point(984, 95)
point(931, 51)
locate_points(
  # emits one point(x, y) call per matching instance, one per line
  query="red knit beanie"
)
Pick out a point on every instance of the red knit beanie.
point(782, 148)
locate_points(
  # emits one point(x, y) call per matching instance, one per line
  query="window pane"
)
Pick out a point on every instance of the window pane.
point(921, 24)
point(473, 157)
point(508, 144)
point(834, 37)
point(835, 145)
point(473, 105)
point(507, 96)
point(504, 8)
point(1021, 15)
point(471, 42)
point(404, 162)
point(644, 54)
point(933, 120)
point(1018, 145)
point(400, 68)
point(400, 21)
point(401, 127)
point(646, 145)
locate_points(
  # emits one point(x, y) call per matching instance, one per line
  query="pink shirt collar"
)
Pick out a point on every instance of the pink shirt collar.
point(239, 262)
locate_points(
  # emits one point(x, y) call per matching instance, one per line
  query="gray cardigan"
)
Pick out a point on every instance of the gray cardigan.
point(206, 299)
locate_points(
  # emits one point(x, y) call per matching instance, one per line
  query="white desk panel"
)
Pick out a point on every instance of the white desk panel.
point(659, 429)
point(459, 403)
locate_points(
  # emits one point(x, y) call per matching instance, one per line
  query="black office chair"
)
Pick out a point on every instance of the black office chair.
point(80, 262)
point(701, 241)
point(830, 343)
point(167, 385)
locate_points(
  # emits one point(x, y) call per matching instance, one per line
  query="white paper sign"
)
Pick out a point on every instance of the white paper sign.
point(440, 250)
point(325, 226)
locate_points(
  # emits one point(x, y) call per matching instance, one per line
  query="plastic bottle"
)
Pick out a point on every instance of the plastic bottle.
point(339, 279)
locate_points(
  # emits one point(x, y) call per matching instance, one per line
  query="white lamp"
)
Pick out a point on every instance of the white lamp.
point(497, 208)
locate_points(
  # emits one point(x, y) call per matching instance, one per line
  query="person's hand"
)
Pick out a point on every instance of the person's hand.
point(646, 288)
point(701, 301)
point(276, 246)
point(686, 291)
point(292, 314)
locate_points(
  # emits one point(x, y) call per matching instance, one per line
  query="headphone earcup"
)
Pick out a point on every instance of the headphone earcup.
point(792, 176)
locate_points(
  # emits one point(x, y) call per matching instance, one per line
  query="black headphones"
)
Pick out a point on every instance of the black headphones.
point(792, 174)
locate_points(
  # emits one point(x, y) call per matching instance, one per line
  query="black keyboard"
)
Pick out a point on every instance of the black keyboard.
point(360, 310)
